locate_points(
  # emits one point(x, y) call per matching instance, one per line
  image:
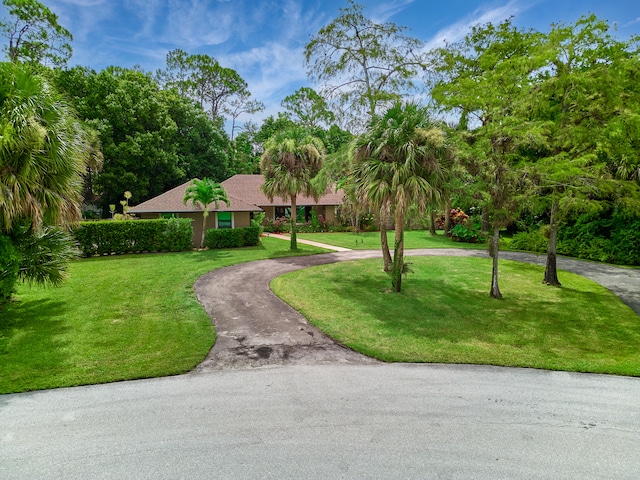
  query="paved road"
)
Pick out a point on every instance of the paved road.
point(382, 421)
point(324, 411)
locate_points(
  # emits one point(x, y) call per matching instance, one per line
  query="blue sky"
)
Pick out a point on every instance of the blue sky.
point(263, 39)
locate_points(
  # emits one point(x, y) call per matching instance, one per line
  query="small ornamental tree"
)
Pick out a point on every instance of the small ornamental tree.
point(205, 192)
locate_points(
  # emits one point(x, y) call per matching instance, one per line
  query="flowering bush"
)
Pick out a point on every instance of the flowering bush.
point(456, 217)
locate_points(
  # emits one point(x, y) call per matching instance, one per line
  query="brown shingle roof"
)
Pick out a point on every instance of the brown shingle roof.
point(171, 202)
point(243, 192)
point(247, 187)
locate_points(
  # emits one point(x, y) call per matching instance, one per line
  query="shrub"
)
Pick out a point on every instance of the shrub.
point(462, 233)
point(252, 236)
point(531, 241)
point(608, 236)
point(232, 237)
point(456, 217)
point(9, 266)
point(258, 221)
point(279, 225)
point(117, 237)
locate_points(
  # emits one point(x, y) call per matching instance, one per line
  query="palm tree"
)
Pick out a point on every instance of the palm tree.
point(43, 152)
point(205, 192)
point(291, 160)
point(397, 163)
point(43, 155)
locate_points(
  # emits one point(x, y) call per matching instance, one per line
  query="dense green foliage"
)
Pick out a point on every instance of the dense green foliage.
point(108, 237)
point(612, 238)
point(9, 265)
point(232, 237)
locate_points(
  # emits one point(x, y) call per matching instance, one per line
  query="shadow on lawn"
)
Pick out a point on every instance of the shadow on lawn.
point(28, 328)
point(443, 308)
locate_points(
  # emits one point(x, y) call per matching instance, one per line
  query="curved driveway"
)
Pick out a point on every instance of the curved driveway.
point(339, 419)
point(255, 328)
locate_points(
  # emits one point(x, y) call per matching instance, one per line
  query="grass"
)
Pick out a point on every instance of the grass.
point(445, 315)
point(371, 240)
point(116, 318)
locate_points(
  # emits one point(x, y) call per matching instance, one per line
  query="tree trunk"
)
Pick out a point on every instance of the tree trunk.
point(485, 219)
point(495, 251)
point(205, 214)
point(551, 272)
point(447, 218)
point(384, 241)
point(432, 223)
point(294, 219)
point(398, 252)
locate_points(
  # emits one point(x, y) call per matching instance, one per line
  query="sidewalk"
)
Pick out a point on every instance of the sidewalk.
point(308, 242)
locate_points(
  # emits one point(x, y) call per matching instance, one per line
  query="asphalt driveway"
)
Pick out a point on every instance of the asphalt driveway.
point(255, 328)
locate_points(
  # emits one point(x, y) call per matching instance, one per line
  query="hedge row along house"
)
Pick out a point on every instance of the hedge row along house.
point(246, 199)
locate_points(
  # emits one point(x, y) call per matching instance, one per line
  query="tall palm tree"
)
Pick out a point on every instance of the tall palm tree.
point(43, 155)
point(43, 152)
point(397, 162)
point(291, 160)
point(205, 192)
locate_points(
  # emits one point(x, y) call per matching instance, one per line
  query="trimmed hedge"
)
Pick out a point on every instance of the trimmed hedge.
point(232, 237)
point(108, 237)
point(9, 265)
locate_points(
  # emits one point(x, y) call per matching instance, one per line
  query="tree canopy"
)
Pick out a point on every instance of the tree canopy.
point(34, 34)
point(362, 64)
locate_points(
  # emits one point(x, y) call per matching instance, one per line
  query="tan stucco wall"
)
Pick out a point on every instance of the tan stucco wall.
point(197, 225)
point(241, 219)
point(330, 214)
point(269, 212)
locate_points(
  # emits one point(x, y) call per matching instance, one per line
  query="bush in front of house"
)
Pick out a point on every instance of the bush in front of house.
point(108, 237)
point(9, 265)
point(279, 225)
point(232, 237)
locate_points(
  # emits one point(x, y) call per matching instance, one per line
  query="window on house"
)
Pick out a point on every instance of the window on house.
point(224, 220)
point(169, 215)
point(282, 212)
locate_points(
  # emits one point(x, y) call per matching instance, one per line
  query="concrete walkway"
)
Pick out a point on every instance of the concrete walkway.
point(308, 242)
point(255, 328)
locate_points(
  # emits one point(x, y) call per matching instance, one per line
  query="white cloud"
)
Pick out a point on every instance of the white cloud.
point(632, 22)
point(196, 23)
point(383, 12)
point(482, 15)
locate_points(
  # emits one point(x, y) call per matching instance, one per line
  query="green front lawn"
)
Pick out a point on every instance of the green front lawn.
point(444, 314)
point(116, 318)
point(371, 240)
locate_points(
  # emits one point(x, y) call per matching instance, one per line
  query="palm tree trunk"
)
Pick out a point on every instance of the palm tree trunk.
point(294, 219)
point(432, 223)
point(205, 214)
point(384, 241)
point(398, 251)
point(551, 271)
point(447, 217)
point(495, 251)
